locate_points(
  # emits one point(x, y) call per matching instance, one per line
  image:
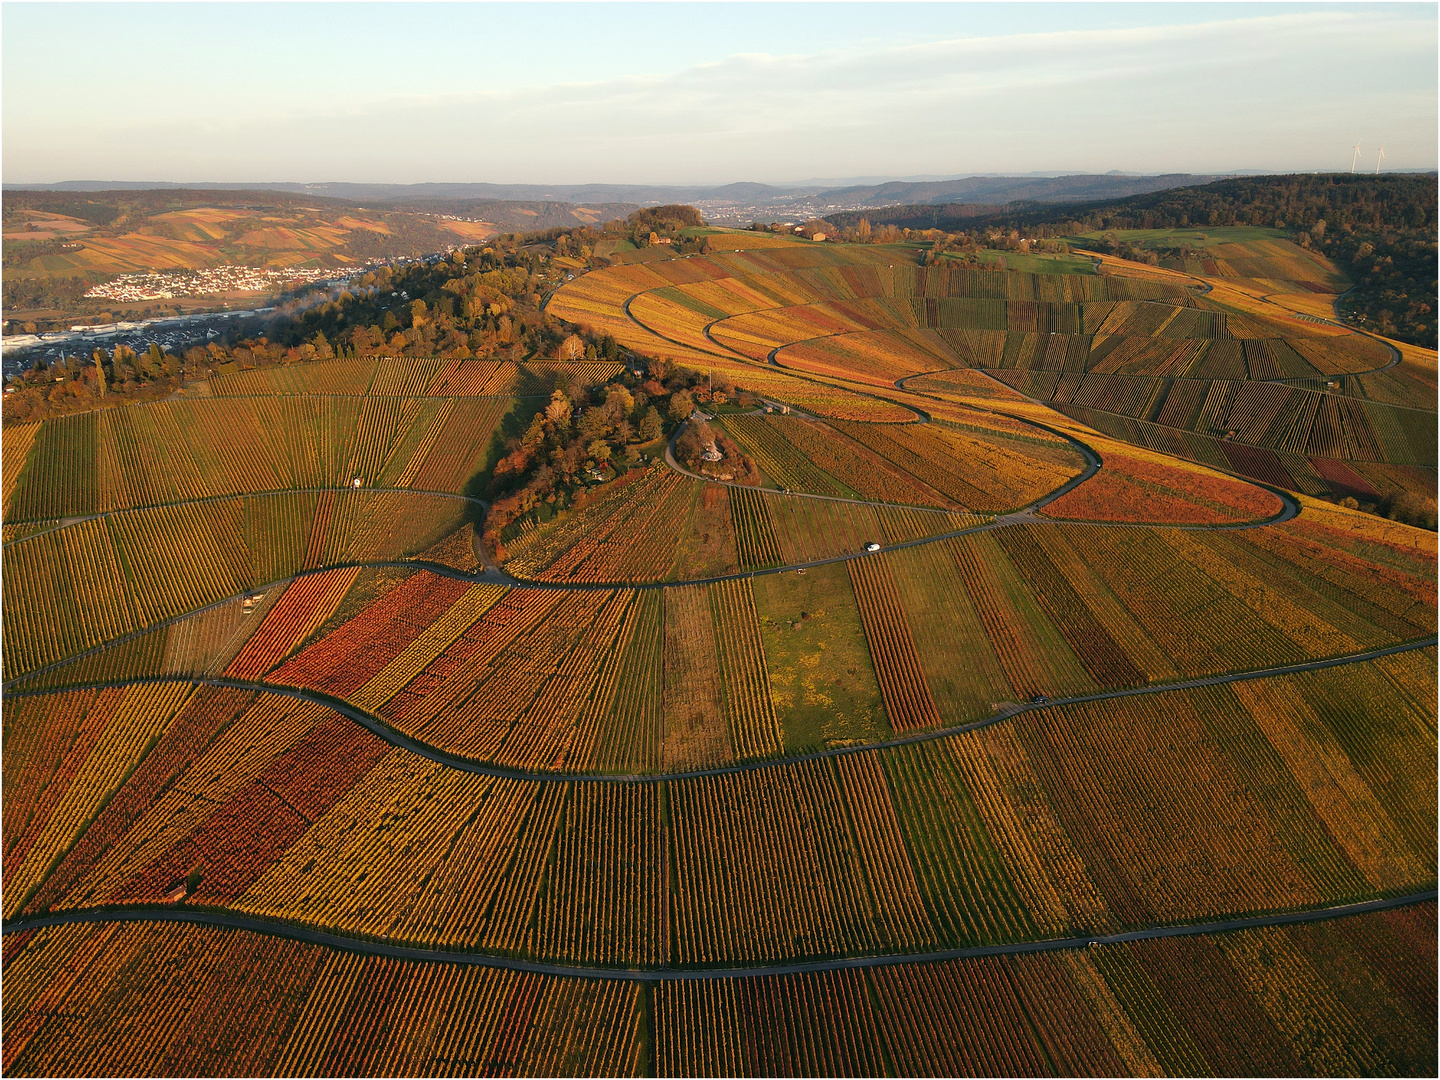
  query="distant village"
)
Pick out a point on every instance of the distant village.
point(167, 285)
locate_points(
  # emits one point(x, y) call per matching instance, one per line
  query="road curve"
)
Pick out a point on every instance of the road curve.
point(1026, 515)
point(1207, 287)
point(381, 728)
point(373, 947)
point(1395, 354)
point(1289, 506)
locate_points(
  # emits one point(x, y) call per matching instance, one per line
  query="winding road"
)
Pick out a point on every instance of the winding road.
point(1289, 506)
point(369, 946)
point(1395, 354)
point(1028, 514)
point(397, 738)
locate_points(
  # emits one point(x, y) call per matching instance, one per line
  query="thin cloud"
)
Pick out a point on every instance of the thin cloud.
point(1154, 98)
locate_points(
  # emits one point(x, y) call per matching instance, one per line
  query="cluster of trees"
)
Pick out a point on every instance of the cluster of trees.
point(726, 461)
point(819, 227)
point(584, 433)
point(483, 302)
point(1111, 244)
point(1395, 279)
point(645, 226)
point(1380, 230)
point(66, 293)
point(641, 229)
point(666, 219)
point(1409, 507)
point(966, 246)
point(104, 378)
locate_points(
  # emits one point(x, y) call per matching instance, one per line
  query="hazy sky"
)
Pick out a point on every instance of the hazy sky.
point(707, 93)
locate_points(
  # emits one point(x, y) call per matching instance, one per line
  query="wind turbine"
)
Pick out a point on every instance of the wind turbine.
point(1378, 160)
point(1354, 157)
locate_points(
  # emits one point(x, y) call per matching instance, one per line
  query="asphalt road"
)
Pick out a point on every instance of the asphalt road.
point(372, 947)
point(394, 737)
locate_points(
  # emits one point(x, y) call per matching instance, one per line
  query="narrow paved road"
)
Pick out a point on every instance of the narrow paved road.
point(1289, 506)
point(300, 932)
point(1395, 355)
point(395, 737)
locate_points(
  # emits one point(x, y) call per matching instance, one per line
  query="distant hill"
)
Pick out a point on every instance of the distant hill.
point(1299, 199)
point(977, 189)
point(509, 209)
point(997, 190)
point(518, 216)
point(97, 233)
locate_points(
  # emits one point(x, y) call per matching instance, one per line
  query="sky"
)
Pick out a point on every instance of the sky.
point(700, 93)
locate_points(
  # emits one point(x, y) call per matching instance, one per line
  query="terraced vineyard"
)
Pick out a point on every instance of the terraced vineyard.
point(1035, 707)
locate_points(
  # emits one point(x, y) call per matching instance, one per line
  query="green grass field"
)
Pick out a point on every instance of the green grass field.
point(1196, 238)
point(1039, 264)
point(821, 677)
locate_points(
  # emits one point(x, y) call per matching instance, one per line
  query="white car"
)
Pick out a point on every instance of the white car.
point(872, 546)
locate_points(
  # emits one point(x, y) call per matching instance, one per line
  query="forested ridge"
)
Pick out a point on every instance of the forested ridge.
point(482, 303)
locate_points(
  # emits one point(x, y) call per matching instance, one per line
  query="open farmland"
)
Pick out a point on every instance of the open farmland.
point(1036, 706)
